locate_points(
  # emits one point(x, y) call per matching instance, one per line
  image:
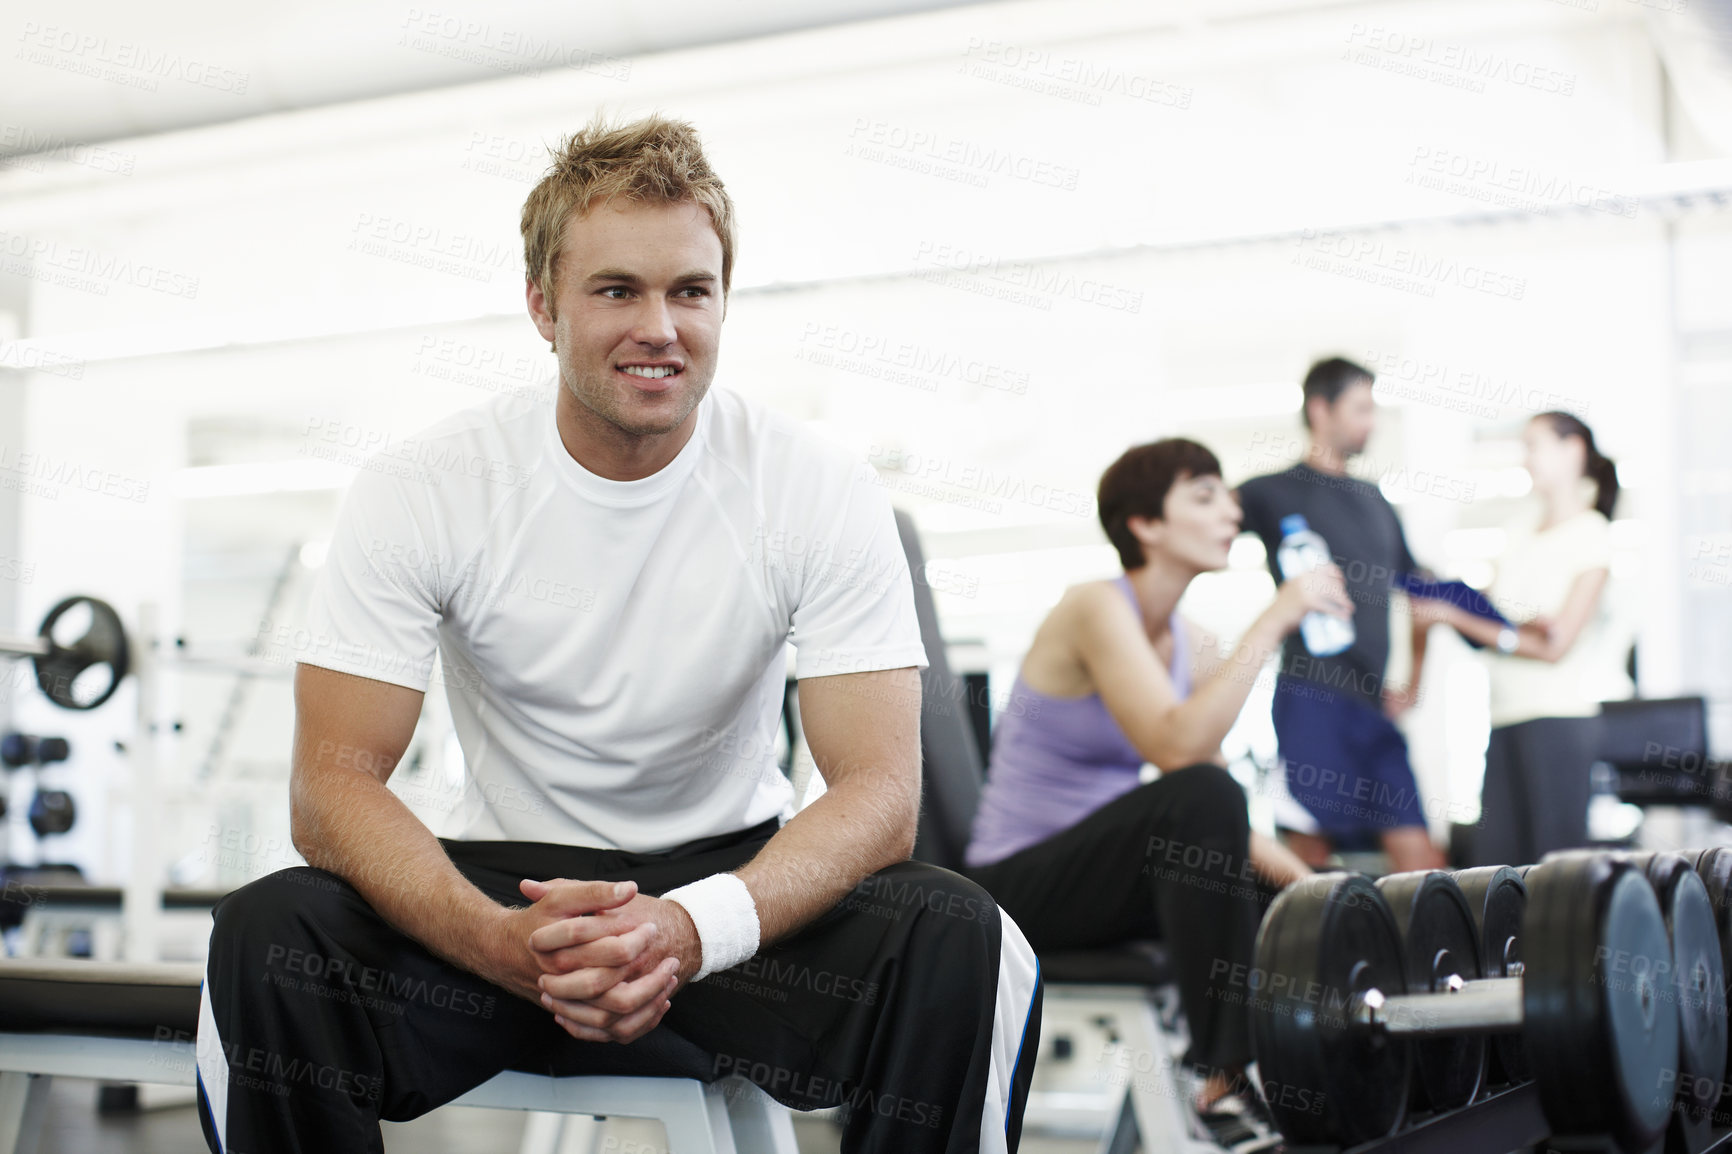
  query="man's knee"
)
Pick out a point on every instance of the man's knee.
point(274, 911)
point(940, 902)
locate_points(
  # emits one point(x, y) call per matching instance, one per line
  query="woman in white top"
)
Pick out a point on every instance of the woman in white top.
point(1545, 711)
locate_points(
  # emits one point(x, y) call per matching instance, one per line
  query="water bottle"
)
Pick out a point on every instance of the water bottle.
point(1302, 551)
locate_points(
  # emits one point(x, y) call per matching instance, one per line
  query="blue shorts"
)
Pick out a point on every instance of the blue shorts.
point(1346, 763)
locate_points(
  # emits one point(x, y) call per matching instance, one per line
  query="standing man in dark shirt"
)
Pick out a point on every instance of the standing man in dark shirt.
point(1334, 716)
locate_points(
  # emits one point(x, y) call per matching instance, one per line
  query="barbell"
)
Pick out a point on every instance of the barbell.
point(1349, 1009)
point(82, 671)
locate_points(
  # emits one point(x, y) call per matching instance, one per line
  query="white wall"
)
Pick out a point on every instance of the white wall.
point(1202, 200)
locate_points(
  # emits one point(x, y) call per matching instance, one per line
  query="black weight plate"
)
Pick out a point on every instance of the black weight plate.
point(1325, 940)
point(1698, 986)
point(1499, 901)
point(82, 673)
point(1597, 1022)
point(1701, 1008)
point(1438, 939)
point(1701, 992)
point(1714, 867)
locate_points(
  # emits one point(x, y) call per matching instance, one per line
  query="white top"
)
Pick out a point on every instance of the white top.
point(613, 651)
point(1534, 577)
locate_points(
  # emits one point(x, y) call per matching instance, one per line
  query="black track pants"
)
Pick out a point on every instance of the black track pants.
point(913, 1004)
point(1169, 860)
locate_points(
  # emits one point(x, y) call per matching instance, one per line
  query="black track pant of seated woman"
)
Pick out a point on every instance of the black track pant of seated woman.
point(1167, 861)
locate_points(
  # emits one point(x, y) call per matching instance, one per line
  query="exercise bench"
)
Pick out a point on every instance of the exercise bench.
point(135, 1022)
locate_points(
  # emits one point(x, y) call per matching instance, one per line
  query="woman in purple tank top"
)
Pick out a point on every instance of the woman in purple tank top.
point(1067, 839)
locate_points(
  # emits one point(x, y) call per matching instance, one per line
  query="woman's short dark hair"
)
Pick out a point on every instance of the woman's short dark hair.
point(1137, 484)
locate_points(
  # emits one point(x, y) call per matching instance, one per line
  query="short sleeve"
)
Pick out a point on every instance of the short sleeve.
point(376, 604)
point(855, 612)
point(1256, 520)
point(1253, 507)
point(1593, 543)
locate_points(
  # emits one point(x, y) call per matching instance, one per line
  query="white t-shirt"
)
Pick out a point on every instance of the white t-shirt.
point(1534, 576)
point(614, 651)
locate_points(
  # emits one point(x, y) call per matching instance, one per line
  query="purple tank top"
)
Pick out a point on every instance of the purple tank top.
point(1058, 760)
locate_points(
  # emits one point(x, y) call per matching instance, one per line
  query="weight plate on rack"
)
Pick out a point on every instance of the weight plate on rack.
point(1499, 902)
point(1439, 941)
point(1700, 989)
point(1324, 941)
point(82, 672)
point(1597, 1022)
point(1714, 867)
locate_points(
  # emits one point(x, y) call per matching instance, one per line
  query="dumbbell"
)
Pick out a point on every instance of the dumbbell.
point(1440, 954)
point(1499, 900)
point(52, 811)
point(1334, 1026)
point(18, 750)
point(1459, 933)
point(1714, 867)
point(1693, 1079)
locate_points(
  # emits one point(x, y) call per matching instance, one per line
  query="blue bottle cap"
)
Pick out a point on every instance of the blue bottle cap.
point(1293, 523)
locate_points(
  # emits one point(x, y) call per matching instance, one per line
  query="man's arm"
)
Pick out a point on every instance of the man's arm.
point(864, 733)
point(349, 734)
point(1398, 701)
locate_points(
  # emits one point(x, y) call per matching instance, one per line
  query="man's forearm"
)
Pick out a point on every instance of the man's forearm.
point(855, 829)
point(349, 823)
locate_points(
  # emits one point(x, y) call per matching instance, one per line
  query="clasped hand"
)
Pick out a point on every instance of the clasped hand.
point(604, 959)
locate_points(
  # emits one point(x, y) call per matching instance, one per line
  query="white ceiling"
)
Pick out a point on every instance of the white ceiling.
point(196, 62)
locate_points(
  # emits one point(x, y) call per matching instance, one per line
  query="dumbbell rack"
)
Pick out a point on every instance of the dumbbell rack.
point(1509, 1119)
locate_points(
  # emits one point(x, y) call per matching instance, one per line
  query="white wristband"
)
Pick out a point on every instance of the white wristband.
point(726, 918)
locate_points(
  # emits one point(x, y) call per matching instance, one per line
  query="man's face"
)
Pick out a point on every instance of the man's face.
point(638, 291)
point(1345, 424)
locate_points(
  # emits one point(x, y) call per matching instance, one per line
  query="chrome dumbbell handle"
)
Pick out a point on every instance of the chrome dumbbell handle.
point(1484, 1005)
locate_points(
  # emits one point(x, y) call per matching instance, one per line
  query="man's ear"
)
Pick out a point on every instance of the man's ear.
point(540, 309)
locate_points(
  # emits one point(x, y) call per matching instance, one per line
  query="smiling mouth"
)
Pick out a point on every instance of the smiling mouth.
point(650, 372)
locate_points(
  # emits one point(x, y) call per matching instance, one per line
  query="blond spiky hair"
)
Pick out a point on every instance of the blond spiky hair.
point(653, 159)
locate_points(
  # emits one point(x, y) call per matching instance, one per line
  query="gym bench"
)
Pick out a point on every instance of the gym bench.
point(133, 1022)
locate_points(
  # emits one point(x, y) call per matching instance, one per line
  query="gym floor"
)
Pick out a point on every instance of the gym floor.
point(74, 1127)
